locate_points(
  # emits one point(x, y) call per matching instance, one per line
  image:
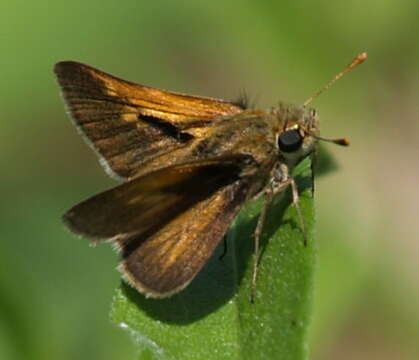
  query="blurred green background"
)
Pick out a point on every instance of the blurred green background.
point(55, 290)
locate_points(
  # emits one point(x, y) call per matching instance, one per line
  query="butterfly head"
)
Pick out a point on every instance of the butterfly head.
point(299, 133)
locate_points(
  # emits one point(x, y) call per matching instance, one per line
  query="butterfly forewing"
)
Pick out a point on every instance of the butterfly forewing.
point(129, 124)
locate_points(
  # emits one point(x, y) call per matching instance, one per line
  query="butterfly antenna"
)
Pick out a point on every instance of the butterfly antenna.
point(340, 141)
point(355, 62)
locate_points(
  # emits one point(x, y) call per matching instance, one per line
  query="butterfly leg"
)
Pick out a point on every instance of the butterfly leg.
point(296, 203)
point(257, 234)
point(270, 194)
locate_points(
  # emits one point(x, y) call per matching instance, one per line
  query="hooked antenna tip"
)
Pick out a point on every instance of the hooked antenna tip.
point(342, 142)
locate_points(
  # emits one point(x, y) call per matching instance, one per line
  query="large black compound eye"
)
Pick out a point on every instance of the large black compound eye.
point(290, 141)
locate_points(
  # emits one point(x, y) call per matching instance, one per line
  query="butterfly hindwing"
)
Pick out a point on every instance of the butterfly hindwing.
point(167, 223)
point(141, 206)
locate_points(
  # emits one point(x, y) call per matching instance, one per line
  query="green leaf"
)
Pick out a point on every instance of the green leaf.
point(213, 317)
